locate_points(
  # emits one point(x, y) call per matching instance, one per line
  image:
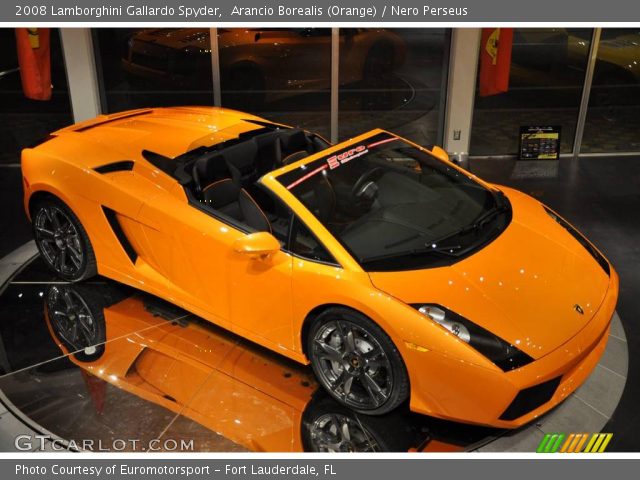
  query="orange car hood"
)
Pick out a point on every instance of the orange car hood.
point(522, 287)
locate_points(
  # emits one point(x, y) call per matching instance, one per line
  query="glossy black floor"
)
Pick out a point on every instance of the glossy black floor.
point(95, 360)
point(601, 196)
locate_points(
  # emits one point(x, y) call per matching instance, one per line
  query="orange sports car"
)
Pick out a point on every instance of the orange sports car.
point(396, 274)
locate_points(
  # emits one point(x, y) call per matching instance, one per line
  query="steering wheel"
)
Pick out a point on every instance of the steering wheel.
point(365, 189)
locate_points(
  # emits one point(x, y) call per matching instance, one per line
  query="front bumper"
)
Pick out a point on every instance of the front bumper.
point(455, 390)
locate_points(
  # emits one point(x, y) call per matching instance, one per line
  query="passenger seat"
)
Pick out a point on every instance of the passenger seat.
point(241, 161)
point(233, 201)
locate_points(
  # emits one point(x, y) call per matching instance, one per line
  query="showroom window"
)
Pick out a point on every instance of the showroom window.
point(26, 121)
point(393, 79)
point(613, 116)
point(546, 79)
point(153, 67)
point(282, 74)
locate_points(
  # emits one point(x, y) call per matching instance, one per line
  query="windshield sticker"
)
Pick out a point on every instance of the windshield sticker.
point(307, 176)
point(335, 161)
point(387, 140)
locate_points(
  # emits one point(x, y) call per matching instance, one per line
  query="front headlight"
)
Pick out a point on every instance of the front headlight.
point(504, 355)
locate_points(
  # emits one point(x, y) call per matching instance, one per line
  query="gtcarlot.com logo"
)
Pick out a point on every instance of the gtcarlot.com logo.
point(45, 442)
point(574, 443)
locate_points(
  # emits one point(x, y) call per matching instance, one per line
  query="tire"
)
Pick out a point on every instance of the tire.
point(328, 426)
point(62, 241)
point(356, 362)
point(77, 319)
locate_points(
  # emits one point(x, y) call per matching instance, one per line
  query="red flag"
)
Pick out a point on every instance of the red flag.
point(34, 59)
point(495, 60)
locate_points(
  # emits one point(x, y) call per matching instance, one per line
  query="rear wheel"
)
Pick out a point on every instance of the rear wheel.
point(356, 362)
point(62, 241)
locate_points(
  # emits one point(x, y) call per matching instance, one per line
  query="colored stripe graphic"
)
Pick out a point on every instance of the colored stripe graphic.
point(582, 441)
point(567, 442)
point(574, 443)
point(592, 440)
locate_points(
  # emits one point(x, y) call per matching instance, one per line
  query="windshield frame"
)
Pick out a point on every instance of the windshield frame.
point(283, 180)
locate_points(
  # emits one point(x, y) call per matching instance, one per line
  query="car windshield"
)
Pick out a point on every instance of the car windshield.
point(396, 207)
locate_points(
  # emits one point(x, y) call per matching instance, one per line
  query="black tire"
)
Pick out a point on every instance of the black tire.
point(356, 362)
point(62, 241)
point(77, 320)
point(328, 426)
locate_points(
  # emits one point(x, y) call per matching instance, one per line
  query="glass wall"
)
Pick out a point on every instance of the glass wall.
point(153, 67)
point(393, 79)
point(613, 116)
point(282, 74)
point(548, 67)
point(389, 78)
point(23, 121)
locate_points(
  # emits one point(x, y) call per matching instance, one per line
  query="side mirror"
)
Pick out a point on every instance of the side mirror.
point(440, 153)
point(257, 245)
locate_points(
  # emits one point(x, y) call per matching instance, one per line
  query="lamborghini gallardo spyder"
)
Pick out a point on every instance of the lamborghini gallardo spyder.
point(398, 275)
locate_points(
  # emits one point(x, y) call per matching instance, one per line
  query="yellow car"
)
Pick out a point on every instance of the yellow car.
point(396, 274)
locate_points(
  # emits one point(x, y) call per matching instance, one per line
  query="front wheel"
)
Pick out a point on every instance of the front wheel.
point(356, 362)
point(62, 241)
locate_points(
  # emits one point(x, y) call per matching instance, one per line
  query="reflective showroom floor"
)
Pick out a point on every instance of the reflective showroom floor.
point(100, 361)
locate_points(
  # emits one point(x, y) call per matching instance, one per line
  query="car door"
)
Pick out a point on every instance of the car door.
point(190, 247)
point(260, 288)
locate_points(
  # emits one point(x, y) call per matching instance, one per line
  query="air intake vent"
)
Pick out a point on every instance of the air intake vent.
point(531, 398)
point(122, 166)
point(120, 235)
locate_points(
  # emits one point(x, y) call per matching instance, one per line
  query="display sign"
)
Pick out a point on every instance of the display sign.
point(539, 142)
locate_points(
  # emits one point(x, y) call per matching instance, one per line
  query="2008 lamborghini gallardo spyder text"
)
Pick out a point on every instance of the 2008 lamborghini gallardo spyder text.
point(395, 273)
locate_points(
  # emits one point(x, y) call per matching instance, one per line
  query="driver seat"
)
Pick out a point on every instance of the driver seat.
point(320, 199)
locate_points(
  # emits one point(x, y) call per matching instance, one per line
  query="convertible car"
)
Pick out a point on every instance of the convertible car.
point(397, 275)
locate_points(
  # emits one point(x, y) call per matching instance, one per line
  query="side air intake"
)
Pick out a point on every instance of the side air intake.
point(120, 235)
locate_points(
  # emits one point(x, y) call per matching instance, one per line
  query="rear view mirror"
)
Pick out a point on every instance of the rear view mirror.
point(257, 245)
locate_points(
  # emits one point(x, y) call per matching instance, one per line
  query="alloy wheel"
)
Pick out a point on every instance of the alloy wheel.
point(72, 319)
point(59, 240)
point(334, 432)
point(353, 365)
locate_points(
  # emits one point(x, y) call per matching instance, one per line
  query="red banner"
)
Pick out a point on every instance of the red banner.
point(34, 58)
point(495, 60)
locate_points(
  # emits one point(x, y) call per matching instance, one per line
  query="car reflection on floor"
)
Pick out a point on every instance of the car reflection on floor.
point(122, 340)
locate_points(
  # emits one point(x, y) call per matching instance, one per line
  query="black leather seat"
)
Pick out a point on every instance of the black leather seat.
point(228, 198)
point(295, 146)
point(320, 199)
point(269, 153)
point(207, 169)
point(241, 161)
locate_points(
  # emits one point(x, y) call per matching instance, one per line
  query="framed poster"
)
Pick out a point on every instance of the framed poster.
point(539, 142)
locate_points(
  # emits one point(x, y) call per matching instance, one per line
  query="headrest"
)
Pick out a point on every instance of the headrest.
point(220, 193)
